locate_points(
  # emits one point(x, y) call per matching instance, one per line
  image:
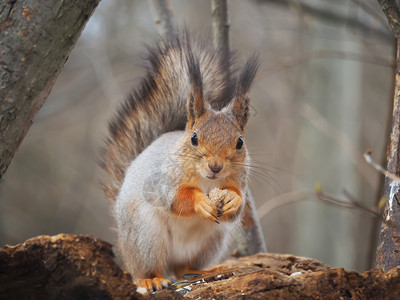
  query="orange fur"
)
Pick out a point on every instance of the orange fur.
point(185, 199)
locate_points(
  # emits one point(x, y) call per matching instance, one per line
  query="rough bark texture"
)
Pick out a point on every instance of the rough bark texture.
point(392, 12)
point(81, 267)
point(387, 256)
point(388, 249)
point(36, 38)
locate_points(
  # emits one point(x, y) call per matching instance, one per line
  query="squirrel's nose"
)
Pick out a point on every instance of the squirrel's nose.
point(215, 168)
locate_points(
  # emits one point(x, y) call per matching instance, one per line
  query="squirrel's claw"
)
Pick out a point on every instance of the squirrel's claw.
point(232, 204)
point(206, 214)
point(207, 210)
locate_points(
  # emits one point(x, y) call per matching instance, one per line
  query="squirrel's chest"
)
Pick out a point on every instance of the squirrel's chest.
point(190, 235)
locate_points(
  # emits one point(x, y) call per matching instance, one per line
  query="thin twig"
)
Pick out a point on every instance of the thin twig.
point(297, 196)
point(379, 168)
point(350, 203)
point(282, 200)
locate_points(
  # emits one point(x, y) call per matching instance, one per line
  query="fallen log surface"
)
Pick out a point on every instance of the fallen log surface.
point(82, 267)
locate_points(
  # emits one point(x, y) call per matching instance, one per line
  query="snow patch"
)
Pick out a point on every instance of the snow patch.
point(394, 189)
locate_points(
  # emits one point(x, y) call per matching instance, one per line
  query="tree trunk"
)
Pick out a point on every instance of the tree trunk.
point(36, 38)
point(387, 256)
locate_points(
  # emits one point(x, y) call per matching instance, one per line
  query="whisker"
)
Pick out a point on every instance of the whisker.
point(259, 174)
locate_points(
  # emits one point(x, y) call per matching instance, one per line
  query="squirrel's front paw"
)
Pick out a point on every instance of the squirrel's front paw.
point(206, 208)
point(229, 203)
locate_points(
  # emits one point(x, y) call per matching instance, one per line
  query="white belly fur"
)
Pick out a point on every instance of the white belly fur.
point(190, 235)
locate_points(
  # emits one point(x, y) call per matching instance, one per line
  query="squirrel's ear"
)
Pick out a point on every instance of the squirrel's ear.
point(240, 104)
point(195, 106)
point(239, 107)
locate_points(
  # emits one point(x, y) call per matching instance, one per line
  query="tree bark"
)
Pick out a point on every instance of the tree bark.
point(392, 12)
point(388, 249)
point(36, 38)
point(387, 255)
point(82, 267)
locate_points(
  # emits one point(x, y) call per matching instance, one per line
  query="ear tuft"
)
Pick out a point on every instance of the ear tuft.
point(240, 103)
point(247, 75)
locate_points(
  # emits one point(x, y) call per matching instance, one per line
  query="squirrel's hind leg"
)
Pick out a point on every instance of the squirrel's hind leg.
point(156, 283)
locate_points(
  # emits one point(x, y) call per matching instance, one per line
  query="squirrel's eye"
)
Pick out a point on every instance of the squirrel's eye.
point(195, 141)
point(239, 144)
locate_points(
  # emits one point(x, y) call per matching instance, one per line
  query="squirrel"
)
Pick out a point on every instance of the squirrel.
point(177, 161)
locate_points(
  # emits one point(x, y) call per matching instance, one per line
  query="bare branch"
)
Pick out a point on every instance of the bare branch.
point(350, 203)
point(297, 196)
point(379, 168)
point(282, 200)
point(163, 18)
point(220, 25)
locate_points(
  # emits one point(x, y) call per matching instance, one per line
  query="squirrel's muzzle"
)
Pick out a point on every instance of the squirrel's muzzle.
point(215, 167)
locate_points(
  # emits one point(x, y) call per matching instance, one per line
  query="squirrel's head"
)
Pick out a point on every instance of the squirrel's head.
point(215, 139)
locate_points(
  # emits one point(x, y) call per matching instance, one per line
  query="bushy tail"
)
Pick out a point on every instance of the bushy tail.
point(158, 105)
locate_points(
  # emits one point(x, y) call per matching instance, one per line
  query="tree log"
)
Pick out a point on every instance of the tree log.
point(82, 267)
point(36, 38)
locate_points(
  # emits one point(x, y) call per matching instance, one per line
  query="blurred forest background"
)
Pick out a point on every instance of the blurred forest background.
point(321, 98)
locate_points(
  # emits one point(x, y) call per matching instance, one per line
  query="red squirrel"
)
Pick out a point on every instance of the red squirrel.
point(177, 161)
